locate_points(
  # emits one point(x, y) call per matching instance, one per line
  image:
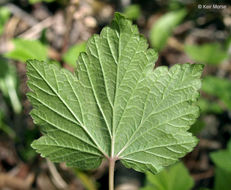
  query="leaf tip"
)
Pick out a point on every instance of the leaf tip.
point(33, 144)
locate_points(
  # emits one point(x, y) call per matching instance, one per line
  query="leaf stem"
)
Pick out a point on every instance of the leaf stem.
point(111, 173)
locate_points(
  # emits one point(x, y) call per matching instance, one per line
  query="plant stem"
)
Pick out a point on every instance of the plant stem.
point(111, 173)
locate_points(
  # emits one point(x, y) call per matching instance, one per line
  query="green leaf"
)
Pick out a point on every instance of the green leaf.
point(38, 1)
point(162, 29)
point(4, 16)
point(8, 84)
point(207, 106)
point(206, 53)
point(222, 179)
point(71, 56)
point(115, 105)
point(218, 87)
point(28, 49)
point(132, 12)
point(197, 127)
point(4, 127)
point(169, 179)
point(86, 180)
point(222, 160)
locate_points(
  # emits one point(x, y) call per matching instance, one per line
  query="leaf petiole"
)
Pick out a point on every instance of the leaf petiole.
point(111, 172)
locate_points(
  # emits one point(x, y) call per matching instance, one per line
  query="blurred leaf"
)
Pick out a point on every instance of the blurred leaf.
point(218, 87)
point(163, 28)
point(4, 16)
point(207, 53)
point(176, 4)
point(25, 151)
point(229, 145)
point(197, 127)
point(38, 1)
point(228, 44)
point(71, 56)
point(222, 160)
point(222, 179)
point(132, 12)
point(5, 128)
point(147, 188)
point(207, 106)
point(8, 84)
point(169, 179)
point(28, 49)
point(87, 182)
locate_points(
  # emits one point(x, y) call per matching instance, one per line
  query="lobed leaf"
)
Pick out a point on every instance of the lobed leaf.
point(115, 105)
